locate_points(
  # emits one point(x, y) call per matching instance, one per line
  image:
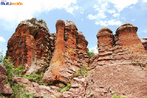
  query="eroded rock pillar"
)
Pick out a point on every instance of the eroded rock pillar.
point(105, 44)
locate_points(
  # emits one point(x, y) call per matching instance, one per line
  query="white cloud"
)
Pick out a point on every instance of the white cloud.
point(109, 22)
point(101, 12)
point(116, 14)
point(94, 49)
point(111, 11)
point(121, 4)
point(144, 0)
point(133, 20)
point(21, 12)
point(2, 39)
point(91, 17)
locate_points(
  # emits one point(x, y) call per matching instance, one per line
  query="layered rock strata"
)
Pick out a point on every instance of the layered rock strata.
point(105, 44)
point(30, 46)
point(67, 57)
point(82, 49)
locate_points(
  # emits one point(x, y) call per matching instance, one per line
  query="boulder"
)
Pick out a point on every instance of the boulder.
point(4, 89)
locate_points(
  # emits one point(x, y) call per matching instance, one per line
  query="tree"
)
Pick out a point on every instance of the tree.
point(91, 54)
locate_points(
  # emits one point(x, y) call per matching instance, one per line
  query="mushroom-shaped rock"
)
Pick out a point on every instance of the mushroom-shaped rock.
point(126, 38)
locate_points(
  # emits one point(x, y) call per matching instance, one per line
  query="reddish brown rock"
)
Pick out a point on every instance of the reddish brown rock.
point(127, 39)
point(30, 46)
point(37, 90)
point(125, 80)
point(65, 60)
point(105, 44)
point(4, 89)
point(58, 58)
point(82, 49)
point(144, 42)
point(70, 40)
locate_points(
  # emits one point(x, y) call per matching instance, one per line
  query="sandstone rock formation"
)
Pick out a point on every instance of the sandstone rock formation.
point(82, 49)
point(4, 89)
point(31, 46)
point(144, 42)
point(66, 58)
point(118, 68)
point(105, 44)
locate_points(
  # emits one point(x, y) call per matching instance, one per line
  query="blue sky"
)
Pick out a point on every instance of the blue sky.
point(88, 15)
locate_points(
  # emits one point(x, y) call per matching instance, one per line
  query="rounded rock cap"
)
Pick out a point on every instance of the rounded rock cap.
point(126, 25)
point(104, 29)
point(70, 23)
point(60, 23)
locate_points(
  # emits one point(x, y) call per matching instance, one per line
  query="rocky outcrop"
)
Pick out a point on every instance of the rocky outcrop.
point(124, 80)
point(37, 90)
point(4, 89)
point(31, 46)
point(118, 68)
point(144, 42)
point(66, 58)
point(82, 49)
point(105, 44)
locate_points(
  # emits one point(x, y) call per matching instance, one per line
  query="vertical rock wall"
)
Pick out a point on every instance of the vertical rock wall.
point(30, 46)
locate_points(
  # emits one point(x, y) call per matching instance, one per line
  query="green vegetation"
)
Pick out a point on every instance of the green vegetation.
point(115, 96)
point(91, 54)
point(82, 72)
point(18, 89)
point(19, 92)
point(65, 88)
point(34, 78)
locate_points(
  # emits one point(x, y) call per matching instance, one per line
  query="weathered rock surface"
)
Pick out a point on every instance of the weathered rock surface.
point(144, 42)
point(118, 68)
point(37, 90)
point(4, 89)
point(105, 44)
point(82, 49)
point(31, 46)
point(125, 80)
point(66, 59)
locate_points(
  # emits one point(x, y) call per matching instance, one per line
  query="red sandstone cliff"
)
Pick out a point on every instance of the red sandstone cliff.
point(30, 46)
point(118, 68)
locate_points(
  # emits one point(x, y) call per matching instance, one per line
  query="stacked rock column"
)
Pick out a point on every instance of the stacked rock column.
point(127, 40)
point(105, 45)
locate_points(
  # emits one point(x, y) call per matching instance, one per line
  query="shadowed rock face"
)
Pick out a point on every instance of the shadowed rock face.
point(4, 89)
point(82, 48)
point(30, 46)
point(144, 42)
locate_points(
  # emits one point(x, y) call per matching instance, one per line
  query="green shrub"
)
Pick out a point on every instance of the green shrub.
point(90, 54)
point(34, 78)
point(19, 92)
point(65, 88)
point(82, 72)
